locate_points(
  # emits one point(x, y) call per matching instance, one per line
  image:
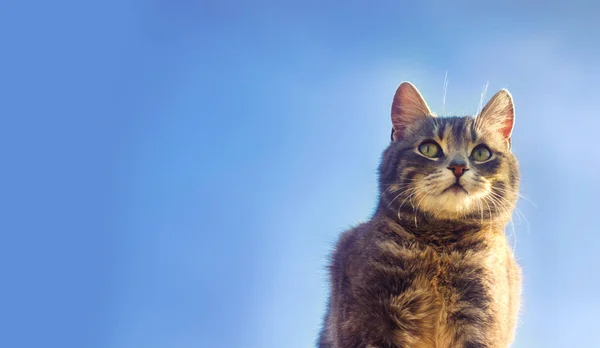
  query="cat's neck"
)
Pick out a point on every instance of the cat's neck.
point(439, 232)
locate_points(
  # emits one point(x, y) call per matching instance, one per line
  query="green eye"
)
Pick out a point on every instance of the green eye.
point(481, 153)
point(430, 149)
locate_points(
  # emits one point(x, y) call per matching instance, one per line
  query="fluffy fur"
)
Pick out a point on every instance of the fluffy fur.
point(432, 268)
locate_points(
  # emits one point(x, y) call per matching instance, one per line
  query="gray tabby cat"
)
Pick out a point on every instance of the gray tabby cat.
point(432, 268)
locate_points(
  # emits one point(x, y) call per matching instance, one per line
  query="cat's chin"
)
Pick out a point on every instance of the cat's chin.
point(457, 189)
point(452, 203)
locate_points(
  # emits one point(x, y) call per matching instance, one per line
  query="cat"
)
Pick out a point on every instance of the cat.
point(432, 267)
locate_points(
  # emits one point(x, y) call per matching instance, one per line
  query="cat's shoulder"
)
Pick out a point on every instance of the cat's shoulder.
point(370, 234)
point(349, 238)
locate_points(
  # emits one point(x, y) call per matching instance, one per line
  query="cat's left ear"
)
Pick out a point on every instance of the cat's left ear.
point(498, 115)
point(408, 107)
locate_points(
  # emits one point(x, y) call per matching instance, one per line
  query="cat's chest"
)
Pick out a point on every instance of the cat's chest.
point(454, 275)
point(449, 272)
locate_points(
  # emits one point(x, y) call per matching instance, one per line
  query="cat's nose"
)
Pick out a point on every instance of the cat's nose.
point(458, 169)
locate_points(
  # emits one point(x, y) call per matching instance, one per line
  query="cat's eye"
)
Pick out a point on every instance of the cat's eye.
point(481, 153)
point(430, 149)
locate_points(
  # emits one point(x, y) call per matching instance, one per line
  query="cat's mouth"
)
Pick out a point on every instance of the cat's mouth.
point(456, 188)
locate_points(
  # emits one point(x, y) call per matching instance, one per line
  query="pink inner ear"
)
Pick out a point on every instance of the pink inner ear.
point(398, 115)
point(398, 130)
point(508, 124)
point(498, 115)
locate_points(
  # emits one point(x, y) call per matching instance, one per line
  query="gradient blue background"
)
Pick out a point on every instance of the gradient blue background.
point(175, 172)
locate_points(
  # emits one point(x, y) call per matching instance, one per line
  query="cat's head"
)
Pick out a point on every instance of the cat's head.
point(449, 167)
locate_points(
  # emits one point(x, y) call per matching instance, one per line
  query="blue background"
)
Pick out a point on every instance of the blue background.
point(175, 173)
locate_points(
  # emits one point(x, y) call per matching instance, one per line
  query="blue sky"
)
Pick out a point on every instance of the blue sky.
point(176, 172)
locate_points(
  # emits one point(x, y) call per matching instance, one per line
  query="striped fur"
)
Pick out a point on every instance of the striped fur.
point(432, 268)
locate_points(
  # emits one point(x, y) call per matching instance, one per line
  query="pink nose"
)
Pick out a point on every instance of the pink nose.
point(458, 169)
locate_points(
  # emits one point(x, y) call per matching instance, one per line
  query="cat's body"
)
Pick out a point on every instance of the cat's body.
point(432, 268)
point(394, 290)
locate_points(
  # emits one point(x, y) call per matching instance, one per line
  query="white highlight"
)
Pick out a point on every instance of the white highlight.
point(483, 93)
point(445, 89)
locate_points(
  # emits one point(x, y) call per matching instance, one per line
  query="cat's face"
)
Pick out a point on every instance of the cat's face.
point(450, 167)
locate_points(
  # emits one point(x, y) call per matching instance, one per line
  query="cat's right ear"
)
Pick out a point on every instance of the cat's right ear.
point(408, 107)
point(498, 115)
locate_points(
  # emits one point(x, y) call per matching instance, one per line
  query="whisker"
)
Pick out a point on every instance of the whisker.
point(400, 194)
point(490, 212)
point(425, 195)
point(519, 215)
point(518, 194)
